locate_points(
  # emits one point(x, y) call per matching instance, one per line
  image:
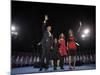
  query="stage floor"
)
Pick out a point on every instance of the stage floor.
point(30, 69)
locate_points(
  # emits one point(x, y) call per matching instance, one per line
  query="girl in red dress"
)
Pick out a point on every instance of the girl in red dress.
point(71, 50)
point(62, 49)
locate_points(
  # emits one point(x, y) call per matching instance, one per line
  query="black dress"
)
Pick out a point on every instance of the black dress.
point(54, 52)
point(55, 55)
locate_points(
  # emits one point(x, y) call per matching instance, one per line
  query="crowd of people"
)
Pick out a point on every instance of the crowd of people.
point(21, 59)
point(59, 47)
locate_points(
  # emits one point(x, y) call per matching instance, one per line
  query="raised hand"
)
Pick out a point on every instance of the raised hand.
point(46, 17)
point(39, 44)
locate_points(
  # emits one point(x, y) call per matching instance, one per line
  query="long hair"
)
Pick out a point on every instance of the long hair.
point(70, 32)
point(60, 36)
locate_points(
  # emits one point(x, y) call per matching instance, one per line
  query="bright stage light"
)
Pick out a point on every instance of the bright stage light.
point(86, 31)
point(14, 33)
point(83, 36)
point(13, 28)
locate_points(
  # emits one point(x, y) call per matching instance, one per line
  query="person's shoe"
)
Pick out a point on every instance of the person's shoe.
point(40, 69)
point(54, 68)
point(46, 68)
point(73, 68)
point(70, 67)
point(61, 68)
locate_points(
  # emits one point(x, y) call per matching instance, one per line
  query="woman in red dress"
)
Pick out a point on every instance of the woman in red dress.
point(62, 49)
point(71, 50)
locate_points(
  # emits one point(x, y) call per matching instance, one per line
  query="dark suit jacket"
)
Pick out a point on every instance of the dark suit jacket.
point(47, 41)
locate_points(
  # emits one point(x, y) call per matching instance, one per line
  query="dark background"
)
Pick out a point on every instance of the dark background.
point(29, 16)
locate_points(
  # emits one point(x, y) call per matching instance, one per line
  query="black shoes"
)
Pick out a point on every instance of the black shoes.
point(40, 69)
point(44, 68)
point(61, 68)
point(55, 68)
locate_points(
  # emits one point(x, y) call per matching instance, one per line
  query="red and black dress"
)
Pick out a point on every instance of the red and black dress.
point(62, 51)
point(72, 48)
point(62, 47)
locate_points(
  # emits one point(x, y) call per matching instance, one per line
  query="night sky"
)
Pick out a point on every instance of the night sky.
point(29, 16)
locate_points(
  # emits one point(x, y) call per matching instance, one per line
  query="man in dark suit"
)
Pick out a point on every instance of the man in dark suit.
point(46, 43)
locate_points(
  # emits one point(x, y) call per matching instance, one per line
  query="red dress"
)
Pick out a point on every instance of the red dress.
point(72, 43)
point(62, 47)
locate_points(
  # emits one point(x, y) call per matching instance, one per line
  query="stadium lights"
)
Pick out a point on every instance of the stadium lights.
point(86, 31)
point(83, 36)
point(14, 30)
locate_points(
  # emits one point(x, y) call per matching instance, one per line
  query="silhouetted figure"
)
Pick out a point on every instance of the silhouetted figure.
point(55, 54)
point(46, 45)
point(62, 49)
point(72, 49)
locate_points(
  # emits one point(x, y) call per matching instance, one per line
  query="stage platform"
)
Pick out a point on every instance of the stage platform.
point(32, 70)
